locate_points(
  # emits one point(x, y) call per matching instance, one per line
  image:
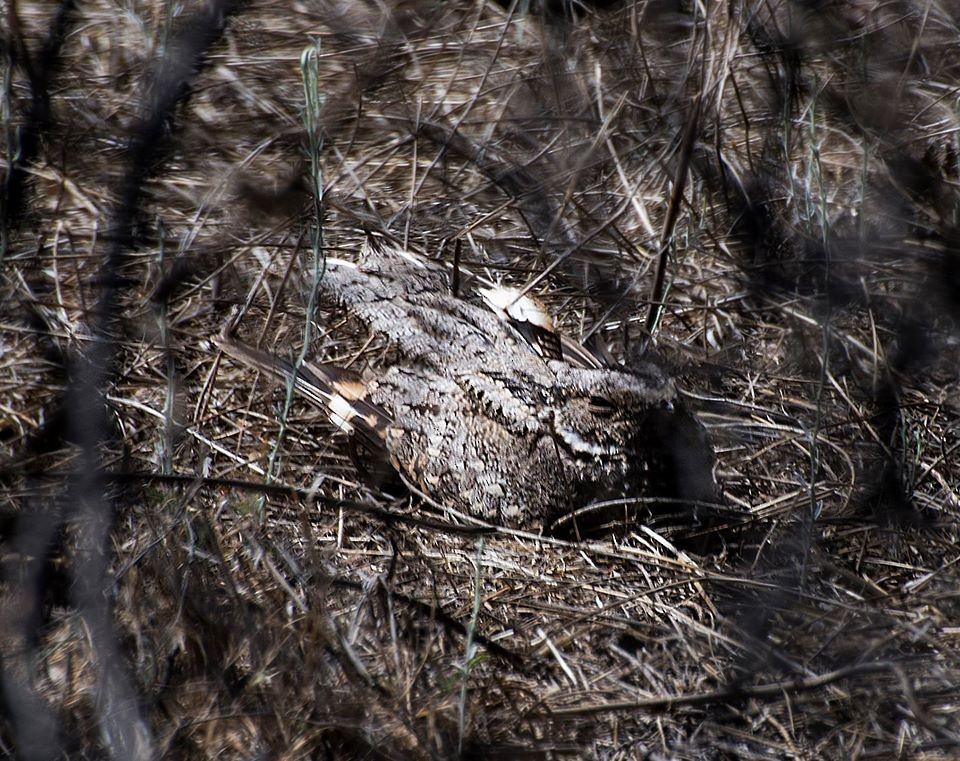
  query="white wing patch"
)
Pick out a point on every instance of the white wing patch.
point(514, 304)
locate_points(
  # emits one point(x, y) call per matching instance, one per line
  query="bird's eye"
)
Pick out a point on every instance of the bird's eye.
point(601, 406)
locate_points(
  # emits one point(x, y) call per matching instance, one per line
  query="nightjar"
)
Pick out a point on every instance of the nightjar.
point(487, 409)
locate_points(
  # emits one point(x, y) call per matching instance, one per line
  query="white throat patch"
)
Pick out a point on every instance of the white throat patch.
point(579, 445)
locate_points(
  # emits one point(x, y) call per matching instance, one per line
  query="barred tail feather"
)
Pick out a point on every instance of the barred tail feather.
point(339, 393)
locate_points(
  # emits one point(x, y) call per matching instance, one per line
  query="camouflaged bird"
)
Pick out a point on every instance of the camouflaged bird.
point(487, 409)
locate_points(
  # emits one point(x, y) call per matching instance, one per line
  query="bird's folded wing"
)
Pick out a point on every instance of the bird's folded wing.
point(529, 317)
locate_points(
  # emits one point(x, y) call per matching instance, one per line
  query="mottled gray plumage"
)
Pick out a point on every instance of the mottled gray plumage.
point(478, 412)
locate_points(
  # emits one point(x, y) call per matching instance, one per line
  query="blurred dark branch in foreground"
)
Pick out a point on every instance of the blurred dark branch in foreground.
point(867, 75)
point(86, 504)
point(26, 142)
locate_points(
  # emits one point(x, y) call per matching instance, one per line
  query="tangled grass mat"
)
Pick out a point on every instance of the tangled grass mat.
point(763, 194)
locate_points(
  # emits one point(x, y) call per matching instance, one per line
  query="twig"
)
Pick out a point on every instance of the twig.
point(772, 689)
point(670, 221)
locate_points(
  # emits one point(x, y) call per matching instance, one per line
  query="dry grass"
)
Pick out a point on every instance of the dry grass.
point(249, 598)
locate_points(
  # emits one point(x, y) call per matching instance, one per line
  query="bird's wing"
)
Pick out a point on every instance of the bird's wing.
point(529, 317)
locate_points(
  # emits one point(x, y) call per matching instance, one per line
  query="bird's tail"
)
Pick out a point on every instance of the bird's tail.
point(340, 393)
